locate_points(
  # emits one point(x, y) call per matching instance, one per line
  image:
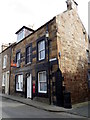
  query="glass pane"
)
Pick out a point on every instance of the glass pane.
point(27, 59)
point(44, 76)
point(43, 86)
point(40, 77)
point(43, 54)
point(18, 56)
point(16, 86)
point(43, 44)
point(21, 78)
point(39, 46)
point(29, 50)
point(21, 82)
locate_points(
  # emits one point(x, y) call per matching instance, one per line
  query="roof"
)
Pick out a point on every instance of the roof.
point(37, 29)
point(25, 28)
point(75, 2)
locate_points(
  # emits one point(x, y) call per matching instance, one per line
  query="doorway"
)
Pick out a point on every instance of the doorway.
point(7, 83)
point(59, 89)
point(29, 87)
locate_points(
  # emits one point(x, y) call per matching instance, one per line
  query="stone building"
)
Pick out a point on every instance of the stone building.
point(0, 72)
point(52, 60)
point(6, 67)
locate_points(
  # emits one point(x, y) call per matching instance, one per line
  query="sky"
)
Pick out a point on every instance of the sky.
point(17, 13)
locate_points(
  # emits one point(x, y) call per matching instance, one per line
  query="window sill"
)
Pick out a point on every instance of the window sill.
point(27, 64)
point(42, 92)
point(4, 67)
point(41, 60)
point(19, 91)
point(18, 67)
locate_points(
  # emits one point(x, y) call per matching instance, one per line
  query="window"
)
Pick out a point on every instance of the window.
point(5, 61)
point(28, 55)
point(41, 50)
point(42, 82)
point(19, 83)
point(89, 79)
point(3, 79)
point(20, 35)
point(18, 59)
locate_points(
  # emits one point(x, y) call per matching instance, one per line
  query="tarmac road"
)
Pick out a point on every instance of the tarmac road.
point(13, 109)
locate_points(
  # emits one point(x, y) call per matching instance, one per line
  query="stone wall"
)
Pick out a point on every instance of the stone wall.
point(35, 65)
point(6, 71)
point(0, 72)
point(73, 60)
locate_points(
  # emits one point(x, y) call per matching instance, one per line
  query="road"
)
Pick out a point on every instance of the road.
point(13, 109)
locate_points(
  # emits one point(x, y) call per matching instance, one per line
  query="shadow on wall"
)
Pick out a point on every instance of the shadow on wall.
point(76, 82)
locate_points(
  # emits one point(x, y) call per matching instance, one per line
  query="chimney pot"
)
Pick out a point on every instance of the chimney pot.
point(71, 4)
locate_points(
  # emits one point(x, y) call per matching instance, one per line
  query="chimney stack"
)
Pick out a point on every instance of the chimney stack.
point(4, 46)
point(71, 4)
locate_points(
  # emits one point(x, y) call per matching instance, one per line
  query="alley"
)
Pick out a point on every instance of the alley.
point(13, 109)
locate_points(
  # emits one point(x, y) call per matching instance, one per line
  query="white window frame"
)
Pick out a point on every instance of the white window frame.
point(20, 35)
point(44, 81)
point(28, 55)
point(18, 59)
point(19, 83)
point(4, 61)
point(3, 79)
point(41, 49)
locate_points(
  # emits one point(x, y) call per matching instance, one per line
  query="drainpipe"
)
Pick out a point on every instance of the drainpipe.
point(10, 68)
point(47, 41)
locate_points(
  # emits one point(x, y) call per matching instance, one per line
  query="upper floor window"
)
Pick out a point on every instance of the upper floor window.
point(20, 35)
point(28, 55)
point(42, 82)
point(19, 83)
point(18, 59)
point(4, 61)
point(41, 50)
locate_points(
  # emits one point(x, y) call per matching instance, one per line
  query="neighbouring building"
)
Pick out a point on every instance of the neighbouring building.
point(52, 60)
point(0, 72)
point(88, 74)
point(88, 50)
point(6, 67)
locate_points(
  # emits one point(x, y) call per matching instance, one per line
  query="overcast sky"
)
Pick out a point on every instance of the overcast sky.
point(16, 13)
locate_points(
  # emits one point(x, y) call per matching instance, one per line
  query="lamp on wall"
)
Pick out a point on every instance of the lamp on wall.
point(47, 34)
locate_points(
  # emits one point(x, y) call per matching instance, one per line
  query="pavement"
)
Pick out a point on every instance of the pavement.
point(81, 109)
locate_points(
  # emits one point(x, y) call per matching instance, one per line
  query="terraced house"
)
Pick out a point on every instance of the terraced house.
point(6, 67)
point(0, 72)
point(51, 61)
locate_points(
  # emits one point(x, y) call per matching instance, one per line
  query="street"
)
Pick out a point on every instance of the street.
point(13, 109)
